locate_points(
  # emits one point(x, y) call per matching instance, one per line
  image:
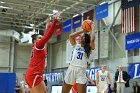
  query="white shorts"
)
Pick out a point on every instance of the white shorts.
point(102, 87)
point(75, 74)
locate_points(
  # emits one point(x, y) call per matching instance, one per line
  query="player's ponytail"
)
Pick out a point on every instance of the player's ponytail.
point(87, 45)
point(34, 36)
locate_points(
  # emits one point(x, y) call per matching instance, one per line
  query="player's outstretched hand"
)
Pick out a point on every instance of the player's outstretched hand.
point(57, 15)
point(48, 21)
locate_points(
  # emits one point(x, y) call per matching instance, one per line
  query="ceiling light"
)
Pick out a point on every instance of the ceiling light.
point(28, 27)
point(75, 15)
point(2, 2)
point(68, 8)
point(102, 3)
point(76, 3)
point(6, 7)
point(63, 10)
point(50, 14)
point(32, 25)
point(55, 11)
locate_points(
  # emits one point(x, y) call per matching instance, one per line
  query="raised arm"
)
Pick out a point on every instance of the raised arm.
point(72, 37)
point(48, 33)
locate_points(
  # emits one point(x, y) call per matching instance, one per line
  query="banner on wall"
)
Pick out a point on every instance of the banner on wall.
point(88, 15)
point(101, 11)
point(77, 21)
point(91, 72)
point(67, 25)
point(58, 30)
point(54, 77)
point(132, 41)
point(58, 77)
point(134, 70)
point(129, 3)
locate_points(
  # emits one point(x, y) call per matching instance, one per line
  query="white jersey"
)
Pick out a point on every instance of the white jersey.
point(103, 77)
point(79, 57)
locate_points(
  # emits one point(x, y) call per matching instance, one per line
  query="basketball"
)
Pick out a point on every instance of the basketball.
point(87, 25)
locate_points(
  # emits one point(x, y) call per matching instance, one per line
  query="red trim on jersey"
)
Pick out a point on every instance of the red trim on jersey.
point(48, 33)
point(30, 80)
point(74, 88)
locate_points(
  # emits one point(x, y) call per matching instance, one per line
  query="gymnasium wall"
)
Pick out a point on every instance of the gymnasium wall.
point(114, 50)
point(22, 57)
point(4, 53)
point(59, 53)
point(113, 9)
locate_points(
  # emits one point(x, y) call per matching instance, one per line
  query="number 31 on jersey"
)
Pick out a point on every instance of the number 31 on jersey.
point(80, 55)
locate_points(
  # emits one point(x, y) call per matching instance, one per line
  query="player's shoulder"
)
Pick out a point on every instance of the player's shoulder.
point(35, 48)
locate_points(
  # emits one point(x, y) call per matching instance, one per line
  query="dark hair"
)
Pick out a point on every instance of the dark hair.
point(136, 83)
point(34, 36)
point(87, 45)
point(134, 86)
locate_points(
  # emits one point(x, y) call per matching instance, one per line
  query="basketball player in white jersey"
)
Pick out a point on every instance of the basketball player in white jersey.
point(102, 78)
point(79, 58)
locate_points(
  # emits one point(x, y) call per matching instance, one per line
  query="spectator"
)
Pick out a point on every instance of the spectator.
point(17, 89)
point(22, 86)
point(122, 79)
point(135, 87)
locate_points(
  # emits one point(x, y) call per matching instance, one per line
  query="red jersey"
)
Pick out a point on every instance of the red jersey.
point(37, 59)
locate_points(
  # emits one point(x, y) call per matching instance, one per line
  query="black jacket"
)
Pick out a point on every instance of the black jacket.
point(125, 77)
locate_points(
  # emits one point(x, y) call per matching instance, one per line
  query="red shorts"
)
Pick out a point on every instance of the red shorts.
point(33, 80)
point(74, 88)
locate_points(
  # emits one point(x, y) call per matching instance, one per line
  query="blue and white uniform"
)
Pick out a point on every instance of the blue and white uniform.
point(103, 81)
point(77, 69)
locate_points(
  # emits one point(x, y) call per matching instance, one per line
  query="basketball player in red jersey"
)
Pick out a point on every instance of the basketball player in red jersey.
point(36, 67)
